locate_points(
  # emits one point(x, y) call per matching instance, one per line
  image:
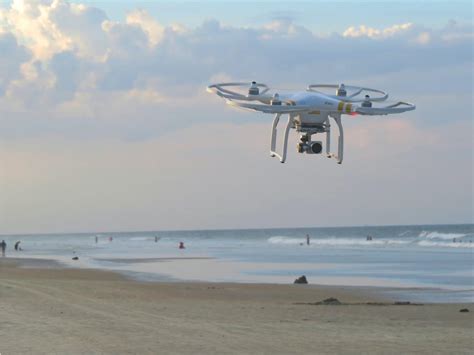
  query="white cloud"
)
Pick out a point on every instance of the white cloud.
point(150, 26)
point(365, 31)
point(77, 49)
point(67, 57)
point(48, 27)
point(106, 90)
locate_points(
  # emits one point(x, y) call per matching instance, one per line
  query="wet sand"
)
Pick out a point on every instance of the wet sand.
point(46, 309)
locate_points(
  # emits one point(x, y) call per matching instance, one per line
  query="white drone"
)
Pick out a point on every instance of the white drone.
point(309, 111)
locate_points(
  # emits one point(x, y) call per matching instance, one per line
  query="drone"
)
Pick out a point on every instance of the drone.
point(309, 112)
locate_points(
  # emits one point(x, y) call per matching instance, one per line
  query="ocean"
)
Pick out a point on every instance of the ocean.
point(430, 263)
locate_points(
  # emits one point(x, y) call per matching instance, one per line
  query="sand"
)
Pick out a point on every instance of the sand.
point(48, 310)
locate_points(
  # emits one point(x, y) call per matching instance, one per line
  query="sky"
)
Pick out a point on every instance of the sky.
point(105, 124)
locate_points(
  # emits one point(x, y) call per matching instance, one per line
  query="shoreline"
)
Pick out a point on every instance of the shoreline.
point(424, 294)
point(67, 310)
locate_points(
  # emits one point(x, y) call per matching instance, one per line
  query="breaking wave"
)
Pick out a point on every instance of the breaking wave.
point(438, 235)
point(433, 239)
point(336, 241)
point(140, 238)
point(286, 240)
point(428, 243)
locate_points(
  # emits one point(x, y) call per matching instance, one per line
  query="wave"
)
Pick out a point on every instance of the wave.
point(428, 243)
point(438, 235)
point(336, 241)
point(141, 238)
point(286, 240)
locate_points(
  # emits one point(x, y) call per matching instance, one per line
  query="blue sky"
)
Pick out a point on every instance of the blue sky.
point(321, 16)
point(105, 123)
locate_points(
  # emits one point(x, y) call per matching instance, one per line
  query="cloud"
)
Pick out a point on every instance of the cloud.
point(101, 119)
point(364, 31)
point(66, 60)
point(48, 27)
point(13, 56)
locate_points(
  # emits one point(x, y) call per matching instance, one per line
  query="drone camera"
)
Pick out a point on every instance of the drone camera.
point(316, 147)
point(309, 147)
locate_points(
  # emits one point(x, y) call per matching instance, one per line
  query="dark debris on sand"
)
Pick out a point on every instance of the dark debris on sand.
point(331, 301)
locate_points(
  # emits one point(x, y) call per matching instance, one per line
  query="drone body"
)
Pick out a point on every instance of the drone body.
point(309, 111)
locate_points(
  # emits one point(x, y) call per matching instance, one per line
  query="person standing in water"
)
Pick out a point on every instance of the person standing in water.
point(3, 245)
point(307, 239)
point(17, 246)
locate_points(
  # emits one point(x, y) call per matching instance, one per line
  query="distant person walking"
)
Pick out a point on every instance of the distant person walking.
point(96, 239)
point(17, 246)
point(3, 245)
point(307, 239)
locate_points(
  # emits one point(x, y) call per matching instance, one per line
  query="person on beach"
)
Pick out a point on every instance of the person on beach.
point(96, 239)
point(3, 245)
point(17, 246)
point(307, 239)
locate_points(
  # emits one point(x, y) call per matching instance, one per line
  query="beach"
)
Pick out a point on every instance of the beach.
point(46, 309)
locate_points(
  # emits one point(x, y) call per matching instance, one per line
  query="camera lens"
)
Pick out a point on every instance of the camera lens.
point(316, 148)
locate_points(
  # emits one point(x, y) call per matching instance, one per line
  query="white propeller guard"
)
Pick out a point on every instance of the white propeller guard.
point(349, 98)
point(220, 89)
point(399, 107)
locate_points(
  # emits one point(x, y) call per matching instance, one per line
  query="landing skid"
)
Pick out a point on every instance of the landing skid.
point(291, 124)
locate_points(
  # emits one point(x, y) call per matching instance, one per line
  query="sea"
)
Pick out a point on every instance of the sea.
point(428, 263)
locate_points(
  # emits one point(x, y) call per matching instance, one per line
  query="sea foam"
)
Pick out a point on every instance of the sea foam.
point(438, 235)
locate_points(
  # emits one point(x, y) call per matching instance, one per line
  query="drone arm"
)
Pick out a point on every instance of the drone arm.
point(281, 109)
